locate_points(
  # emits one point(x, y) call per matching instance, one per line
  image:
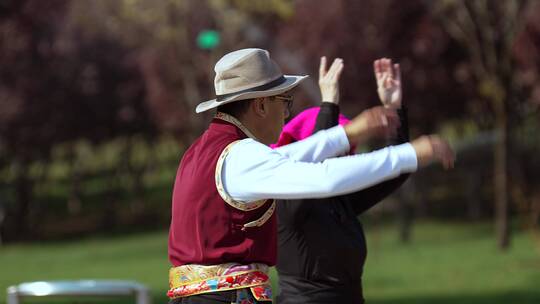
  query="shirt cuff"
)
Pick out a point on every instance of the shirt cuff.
point(407, 157)
point(338, 138)
point(329, 104)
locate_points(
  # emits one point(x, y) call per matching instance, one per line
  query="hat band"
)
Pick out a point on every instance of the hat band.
point(263, 87)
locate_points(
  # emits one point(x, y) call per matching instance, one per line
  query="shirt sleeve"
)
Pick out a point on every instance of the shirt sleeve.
point(252, 171)
point(322, 145)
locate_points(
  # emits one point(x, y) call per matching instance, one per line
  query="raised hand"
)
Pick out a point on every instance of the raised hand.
point(374, 122)
point(432, 148)
point(329, 80)
point(388, 78)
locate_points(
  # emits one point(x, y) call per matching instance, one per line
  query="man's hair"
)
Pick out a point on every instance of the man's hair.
point(235, 108)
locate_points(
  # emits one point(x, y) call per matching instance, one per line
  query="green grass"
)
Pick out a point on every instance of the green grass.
point(444, 263)
point(141, 257)
point(448, 263)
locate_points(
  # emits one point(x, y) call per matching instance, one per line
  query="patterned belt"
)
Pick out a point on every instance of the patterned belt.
point(189, 280)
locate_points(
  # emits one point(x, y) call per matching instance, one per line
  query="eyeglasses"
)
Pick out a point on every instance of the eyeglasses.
point(287, 99)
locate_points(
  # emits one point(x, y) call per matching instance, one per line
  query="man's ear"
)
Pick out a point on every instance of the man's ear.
point(259, 107)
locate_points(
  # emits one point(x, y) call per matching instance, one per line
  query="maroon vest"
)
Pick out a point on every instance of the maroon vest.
point(204, 228)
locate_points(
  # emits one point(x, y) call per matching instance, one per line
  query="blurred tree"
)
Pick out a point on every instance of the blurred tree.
point(488, 31)
point(164, 36)
point(99, 70)
point(361, 32)
point(58, 88)
point(24, 135)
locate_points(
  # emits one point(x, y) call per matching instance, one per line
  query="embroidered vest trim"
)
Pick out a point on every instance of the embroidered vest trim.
point(231, 119)
point(244, 206)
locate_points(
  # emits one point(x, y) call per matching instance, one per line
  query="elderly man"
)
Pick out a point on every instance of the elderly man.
point(223, 229)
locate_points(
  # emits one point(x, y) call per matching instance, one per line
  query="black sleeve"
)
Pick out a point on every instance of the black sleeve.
point(328, 117)
point(365, 199)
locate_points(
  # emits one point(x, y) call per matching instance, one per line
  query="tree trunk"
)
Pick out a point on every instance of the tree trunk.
point(23, 188)
point(500, 177)
point(74, 202)
point(474, 209)
point(405, 210)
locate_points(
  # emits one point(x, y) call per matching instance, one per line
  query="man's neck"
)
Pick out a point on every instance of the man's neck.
point(254, 126)
point(248, 124)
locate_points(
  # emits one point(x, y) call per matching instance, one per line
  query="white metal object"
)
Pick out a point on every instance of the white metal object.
point(82, 288)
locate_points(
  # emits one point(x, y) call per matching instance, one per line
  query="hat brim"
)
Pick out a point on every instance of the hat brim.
point(291, 81)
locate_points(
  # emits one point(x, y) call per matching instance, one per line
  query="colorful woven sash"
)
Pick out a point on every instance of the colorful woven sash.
point(189, 280)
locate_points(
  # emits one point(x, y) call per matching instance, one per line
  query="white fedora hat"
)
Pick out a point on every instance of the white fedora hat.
point(246, 74)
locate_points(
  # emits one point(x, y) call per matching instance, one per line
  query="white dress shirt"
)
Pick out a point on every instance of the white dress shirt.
point(309, 168)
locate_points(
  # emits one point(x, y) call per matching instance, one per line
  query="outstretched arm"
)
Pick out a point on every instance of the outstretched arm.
point(252, 171)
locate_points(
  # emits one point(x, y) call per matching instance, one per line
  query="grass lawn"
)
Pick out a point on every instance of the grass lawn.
point(444, 263)
point(451, 263)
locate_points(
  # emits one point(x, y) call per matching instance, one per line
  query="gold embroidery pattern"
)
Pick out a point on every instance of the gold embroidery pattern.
point(193, 273)
point(264, 218)
point(244, 206)
point(194, 279)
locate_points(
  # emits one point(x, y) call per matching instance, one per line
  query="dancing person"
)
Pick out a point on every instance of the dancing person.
point(222, 236)
point(321, 244)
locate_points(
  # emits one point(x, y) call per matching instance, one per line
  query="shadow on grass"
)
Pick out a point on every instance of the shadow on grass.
point(514, 297)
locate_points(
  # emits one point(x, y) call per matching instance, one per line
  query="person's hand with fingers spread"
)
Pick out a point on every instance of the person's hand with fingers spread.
point(329, 80)
point(374, 122)
point(428, 148)
point(388, 78)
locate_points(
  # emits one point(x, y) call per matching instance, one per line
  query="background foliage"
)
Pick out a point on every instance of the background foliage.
point(97, 103)
point(97, 98)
